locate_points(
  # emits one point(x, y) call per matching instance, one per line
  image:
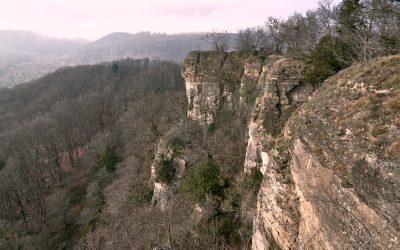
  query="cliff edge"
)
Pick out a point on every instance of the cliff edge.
point(329, 157)
point(331, 180)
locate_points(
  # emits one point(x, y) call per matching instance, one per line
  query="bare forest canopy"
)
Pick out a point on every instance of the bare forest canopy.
point(47, 123)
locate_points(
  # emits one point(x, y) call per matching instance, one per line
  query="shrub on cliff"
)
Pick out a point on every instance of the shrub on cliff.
point(109, 159)
point(140, 194)
point(252, 180)
point(329, 57)
point(165, 170)
point(201, 180)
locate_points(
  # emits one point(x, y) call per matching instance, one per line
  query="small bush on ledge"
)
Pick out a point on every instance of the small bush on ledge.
point(201, 180)
point(109, 159)
point(252, 180)
point(165, 170)
point(140, 194)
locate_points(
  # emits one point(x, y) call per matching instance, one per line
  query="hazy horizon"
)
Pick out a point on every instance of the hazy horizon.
point(93, 19)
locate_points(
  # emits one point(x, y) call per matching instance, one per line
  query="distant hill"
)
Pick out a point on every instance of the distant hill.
point(27, 42)
point(154, 46)
point(25, 56)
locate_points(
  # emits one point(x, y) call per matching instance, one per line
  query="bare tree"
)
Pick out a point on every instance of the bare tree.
point(327, 18)
point(274, 32)
point(246, 40)
point(218, 40)
point(370, 27)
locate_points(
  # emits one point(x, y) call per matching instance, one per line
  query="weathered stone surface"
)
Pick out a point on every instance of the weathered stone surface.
point(203, 91)
point(213, 78)
point(330, 158)
point(331, 179)
point(249, 81)
point(283, 94)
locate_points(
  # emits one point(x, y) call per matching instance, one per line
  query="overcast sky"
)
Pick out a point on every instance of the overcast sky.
point(92, 19)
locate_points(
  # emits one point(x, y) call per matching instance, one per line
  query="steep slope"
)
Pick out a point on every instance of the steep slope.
point(284, 91)
point(215, 82)
point(61, 137)
point(330, 159)
point(221, 90)
point(331, 178)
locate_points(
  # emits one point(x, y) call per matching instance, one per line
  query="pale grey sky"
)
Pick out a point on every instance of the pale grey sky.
point(92, 19)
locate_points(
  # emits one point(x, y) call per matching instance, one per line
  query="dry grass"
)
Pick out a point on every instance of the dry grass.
point(397, 122)
point(361, 102)
point(393, 149)
point(393, 104)
point(375, 98)
point(378, 130)
point(390, 61)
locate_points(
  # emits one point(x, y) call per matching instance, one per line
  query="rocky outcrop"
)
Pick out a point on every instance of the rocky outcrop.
point(283, 93)
point(330, 158)
point(214, 78)
point(331, 174)
point(167, 169)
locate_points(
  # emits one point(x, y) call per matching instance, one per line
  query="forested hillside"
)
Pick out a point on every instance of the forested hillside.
point(53, 135)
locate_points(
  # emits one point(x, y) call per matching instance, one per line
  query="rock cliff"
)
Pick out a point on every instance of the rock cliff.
point(167, 169)
point(212, 80)
point(331, 178)
point(283, 92)
point(330, 157)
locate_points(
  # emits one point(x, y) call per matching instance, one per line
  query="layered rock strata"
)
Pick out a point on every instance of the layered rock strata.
point(331, 179)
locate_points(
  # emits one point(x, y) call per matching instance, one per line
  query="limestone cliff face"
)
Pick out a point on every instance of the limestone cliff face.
point(331, 178)
point(283, 93)
point(212, 78)
point(330, 158)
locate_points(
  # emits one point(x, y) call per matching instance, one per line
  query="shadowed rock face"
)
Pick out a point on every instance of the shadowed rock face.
point(274, 87)
point(330, 158)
